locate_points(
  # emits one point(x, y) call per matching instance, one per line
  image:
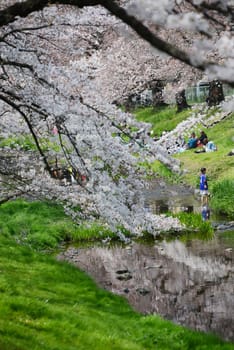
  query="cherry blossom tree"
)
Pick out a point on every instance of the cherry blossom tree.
point(59, 76)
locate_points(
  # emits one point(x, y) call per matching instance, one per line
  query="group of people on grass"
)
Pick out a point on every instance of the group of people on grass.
point(200, 141)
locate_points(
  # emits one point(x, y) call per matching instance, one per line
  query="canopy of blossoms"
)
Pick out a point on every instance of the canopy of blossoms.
point(60, 71)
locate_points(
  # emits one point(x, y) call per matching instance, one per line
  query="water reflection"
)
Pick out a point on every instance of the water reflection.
point(205, 213)
point(176, 199)
point(190, 284)
point(163, 206)
point(170, 198)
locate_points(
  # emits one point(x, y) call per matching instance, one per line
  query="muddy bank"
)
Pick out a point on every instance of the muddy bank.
point(190, 284)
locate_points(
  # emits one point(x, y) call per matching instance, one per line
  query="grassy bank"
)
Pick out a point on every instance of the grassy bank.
point(47, 304)
point(220, 166)
point(44, 225)
point(50, 305)
point(162, 119)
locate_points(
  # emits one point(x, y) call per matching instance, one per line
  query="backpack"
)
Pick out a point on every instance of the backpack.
point(210, 147)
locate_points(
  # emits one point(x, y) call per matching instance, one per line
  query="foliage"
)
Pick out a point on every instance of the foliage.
point(25, 143)
point(158, 169)
point(163, 171)
point(195, 223)
point(52, 84)
point(46, 304)
point(50, 80)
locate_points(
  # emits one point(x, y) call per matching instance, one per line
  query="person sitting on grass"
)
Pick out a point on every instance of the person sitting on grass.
point(203, 139)
point(192, 142)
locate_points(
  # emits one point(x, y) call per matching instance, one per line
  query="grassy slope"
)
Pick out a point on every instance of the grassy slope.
point(219, 165)
point(46, 304)
point(51, 305)
point(43, 225)
point(162, 119)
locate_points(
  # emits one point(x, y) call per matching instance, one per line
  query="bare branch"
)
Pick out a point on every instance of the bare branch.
point(23, 9)
point(22, 30)
point(15, 64)
point(204, 9)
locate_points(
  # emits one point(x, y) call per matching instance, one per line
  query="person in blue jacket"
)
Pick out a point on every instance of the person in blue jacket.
point(203, 187)
point(192, 142)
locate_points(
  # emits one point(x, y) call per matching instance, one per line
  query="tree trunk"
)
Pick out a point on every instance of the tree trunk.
point(157, 94)
point(215, 93)
point(181, 101)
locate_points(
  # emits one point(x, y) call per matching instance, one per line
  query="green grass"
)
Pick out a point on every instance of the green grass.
point(162, 119)
point(159, 169)
point(27, 143)
point(219, 165)
point(46, 304)
point(201, 229)
point(223, 197)
point(44, 225)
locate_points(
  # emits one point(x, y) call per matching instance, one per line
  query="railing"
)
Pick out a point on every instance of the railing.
point(198, 94)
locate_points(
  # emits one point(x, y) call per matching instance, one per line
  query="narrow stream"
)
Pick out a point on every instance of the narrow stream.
point(190, 282)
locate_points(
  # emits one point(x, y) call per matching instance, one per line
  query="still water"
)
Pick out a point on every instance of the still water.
point(190, 283)
point(163, 198)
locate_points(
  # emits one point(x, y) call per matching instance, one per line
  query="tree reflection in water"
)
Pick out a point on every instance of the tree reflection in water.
point(190, 284)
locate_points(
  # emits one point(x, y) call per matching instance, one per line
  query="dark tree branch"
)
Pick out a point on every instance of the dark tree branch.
point(34, 107)
point(205, 10)
point(23, 9)
point(23, 30)
point(215, 6)
point(15, 64)
point(73, 142)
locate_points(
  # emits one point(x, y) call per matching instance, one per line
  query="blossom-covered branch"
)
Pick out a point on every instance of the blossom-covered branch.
point(25, 8)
